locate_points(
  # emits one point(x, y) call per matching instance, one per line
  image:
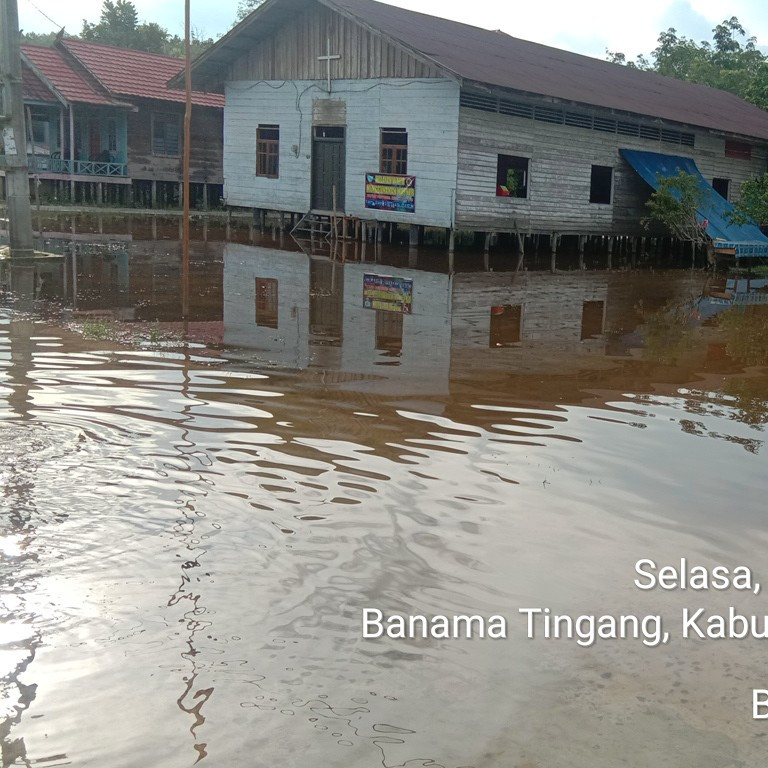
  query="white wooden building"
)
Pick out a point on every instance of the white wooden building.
point(392, 116)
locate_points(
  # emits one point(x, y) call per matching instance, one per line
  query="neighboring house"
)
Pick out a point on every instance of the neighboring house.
point(402, 117)
point(103, 125)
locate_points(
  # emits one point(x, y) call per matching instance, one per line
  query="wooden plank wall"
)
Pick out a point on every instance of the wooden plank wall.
point(206, 150)
point(559, 174)
point(428, 109)
point(291, 52)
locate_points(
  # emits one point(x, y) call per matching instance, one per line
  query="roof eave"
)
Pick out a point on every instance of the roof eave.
point(43, 79)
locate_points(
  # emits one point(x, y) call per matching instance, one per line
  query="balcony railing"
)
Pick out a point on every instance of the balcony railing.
point(46, 164)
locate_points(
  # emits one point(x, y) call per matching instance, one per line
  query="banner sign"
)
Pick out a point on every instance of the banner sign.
point(392, 294)
point(386, 192)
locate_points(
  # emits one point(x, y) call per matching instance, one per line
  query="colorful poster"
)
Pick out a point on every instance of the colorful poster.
point(392, 294)
point(385, 192)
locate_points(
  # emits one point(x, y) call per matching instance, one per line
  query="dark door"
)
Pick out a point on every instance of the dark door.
point(328, 153)
point(94, 139)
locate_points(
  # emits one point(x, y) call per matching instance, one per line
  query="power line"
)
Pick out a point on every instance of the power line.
point(43, 13)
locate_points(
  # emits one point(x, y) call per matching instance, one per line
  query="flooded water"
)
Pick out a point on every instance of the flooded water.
point(193, 524)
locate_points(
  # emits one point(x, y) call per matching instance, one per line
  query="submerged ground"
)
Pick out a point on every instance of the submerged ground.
point(192, 524)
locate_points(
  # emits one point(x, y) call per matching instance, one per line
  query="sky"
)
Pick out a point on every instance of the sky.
point(585, 26)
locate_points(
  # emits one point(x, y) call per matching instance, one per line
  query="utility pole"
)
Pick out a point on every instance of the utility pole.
point(14, 133)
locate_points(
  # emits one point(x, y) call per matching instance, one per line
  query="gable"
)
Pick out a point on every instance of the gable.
point(291, 52)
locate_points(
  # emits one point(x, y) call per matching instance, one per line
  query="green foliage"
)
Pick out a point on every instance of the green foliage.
point(675, 204)
point(746, 330)
point(38, 38)
point(753, 202)
point(731, 62)
point(245, 7)
point(119, 25)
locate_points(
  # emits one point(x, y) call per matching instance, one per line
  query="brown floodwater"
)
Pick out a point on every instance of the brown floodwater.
point(194, 516)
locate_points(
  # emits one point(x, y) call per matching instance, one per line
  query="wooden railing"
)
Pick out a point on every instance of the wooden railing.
point(46, 164)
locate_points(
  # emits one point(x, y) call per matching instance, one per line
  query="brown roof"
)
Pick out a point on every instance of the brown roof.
point(495, 58)
point(60, 74)
point(129, 73)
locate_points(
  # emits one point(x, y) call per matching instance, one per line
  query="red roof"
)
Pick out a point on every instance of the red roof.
point(34, 89)
point(127, 72)
point(55, 68)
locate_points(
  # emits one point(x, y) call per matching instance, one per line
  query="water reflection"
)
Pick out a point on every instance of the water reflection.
point(209, 514)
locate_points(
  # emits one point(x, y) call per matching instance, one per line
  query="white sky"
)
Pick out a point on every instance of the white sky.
point(584, 26)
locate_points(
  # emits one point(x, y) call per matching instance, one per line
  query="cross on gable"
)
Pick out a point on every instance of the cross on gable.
point(328, 58)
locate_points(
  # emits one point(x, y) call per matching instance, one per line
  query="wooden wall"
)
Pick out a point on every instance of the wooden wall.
point(559, 174)
point(291, 52)
point(206, 150)
point(428, 109)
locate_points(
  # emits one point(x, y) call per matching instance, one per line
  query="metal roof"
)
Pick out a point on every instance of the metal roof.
point(58, 73)
point(34, 89)
point(130, 73)
point(494, 58)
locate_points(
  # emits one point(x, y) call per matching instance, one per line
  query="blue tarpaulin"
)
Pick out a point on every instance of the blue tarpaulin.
point(745, 239)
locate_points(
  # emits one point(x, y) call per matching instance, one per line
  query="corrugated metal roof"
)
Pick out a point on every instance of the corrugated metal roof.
point(135, 73)
point(55, 68)
point(715, 211)
point(495, 58)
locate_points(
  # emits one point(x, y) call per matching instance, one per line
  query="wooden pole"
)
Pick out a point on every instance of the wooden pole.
point(187, 138)
point(14, 133)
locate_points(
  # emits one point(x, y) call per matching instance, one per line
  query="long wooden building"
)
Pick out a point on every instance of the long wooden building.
point(389, 115)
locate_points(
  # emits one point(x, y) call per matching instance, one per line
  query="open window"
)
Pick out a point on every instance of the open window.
point(600, 184)
point(266, 302)
point(268, 151)
point(721, 186)
point(511, 176)
point(165, 134)
point(394, 151)
point(739, 150)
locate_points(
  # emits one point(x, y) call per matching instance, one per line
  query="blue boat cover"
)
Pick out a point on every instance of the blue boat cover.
point(747, 239)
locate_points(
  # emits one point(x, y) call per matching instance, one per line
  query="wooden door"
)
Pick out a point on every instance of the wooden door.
point(328, 167)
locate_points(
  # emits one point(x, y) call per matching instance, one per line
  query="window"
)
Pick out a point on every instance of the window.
point(266, 302)
point(592, 314)
point(600, 184)
point(738, 150)
point(165, 134)
point(721, 187)
point(268, 151)
point(394, 151)
point(505, 325)
point(511, 176)
point(112, 135)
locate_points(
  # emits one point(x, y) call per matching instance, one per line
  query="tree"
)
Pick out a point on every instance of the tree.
point(245, 7)
point(731, 62)
point(675, 204)
point(753, 202)
point(38, 38)
point(119, 25)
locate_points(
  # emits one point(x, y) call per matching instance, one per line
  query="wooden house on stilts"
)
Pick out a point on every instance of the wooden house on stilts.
point(385, 115)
